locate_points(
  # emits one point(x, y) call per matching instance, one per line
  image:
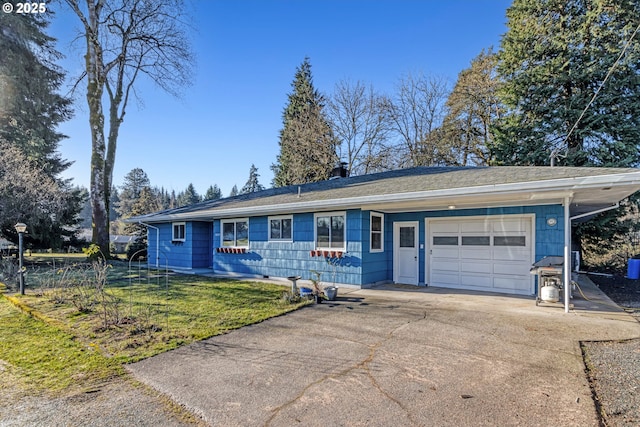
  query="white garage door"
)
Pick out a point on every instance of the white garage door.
point(487, 254)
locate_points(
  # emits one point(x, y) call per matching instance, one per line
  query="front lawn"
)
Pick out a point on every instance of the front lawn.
point(41, 356)
point(79, 329)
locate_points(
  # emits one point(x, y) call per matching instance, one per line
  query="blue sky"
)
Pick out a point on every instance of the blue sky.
point(247, 54)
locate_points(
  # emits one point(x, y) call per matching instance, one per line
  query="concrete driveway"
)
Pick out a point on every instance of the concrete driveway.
point(397, 355)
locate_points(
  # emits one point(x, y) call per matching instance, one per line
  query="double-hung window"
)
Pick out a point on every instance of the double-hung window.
point(281, 228)
point(330, 230)
point(377, 232)
point(178, 233)
point(235, 233)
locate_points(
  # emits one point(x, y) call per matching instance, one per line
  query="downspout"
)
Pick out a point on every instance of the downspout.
point(567, 253)
point(157, 241)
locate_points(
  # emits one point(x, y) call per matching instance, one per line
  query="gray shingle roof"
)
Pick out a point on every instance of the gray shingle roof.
point(418, 179)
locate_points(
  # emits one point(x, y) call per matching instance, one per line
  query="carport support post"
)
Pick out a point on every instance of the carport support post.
point(567, 253)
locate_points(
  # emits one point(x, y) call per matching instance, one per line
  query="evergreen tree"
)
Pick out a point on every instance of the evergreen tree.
point(134, 183)
point(252, 184)
point(145, 203)
point(234, 191)
point(213, 193)
point(307, 143)
point(555, 56)
point(114, 197)
point(553, 59)
point(30, 111)
point(31, 107)
point(188, 197)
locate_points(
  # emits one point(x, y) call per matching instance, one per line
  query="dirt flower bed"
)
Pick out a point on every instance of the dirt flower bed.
point(614, 367)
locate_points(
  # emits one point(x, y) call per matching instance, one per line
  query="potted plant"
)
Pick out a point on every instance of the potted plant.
point(318, 295)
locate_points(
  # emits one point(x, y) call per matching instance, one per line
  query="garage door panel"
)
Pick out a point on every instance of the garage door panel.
point(517, 225)
point(492, 254)
point(477, 253)
point(446, 265)
point(510, 283)
point(512, 268)
point(475, 226)
point(476, 281)
point(445, 279)
point(445, 252)
point(448, 227)
point(476, 267)
point(512, 254)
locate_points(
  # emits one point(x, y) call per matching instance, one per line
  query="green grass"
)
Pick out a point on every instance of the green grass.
point(50, 344)
point(43, 357)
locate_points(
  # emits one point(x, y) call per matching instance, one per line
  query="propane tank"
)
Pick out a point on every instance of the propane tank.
point(550, 293)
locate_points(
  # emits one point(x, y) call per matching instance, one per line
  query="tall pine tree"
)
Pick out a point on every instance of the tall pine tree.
point(31, 109)
point(213, 193)
point(252, 184)
point(307, 143)
point(553, 58)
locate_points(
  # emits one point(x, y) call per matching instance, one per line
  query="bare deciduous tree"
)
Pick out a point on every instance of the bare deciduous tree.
point(27, 193)
point(124, 40)
point(417, 112)
point(360, 120)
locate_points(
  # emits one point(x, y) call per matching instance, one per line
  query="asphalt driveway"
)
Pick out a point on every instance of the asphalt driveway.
point(397, 356)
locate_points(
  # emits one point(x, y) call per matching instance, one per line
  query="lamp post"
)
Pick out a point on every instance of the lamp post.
point(21, 228)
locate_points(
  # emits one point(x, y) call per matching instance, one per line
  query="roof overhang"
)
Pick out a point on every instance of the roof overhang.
point(585, 193)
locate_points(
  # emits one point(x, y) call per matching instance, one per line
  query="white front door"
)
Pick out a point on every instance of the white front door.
point(405, 252)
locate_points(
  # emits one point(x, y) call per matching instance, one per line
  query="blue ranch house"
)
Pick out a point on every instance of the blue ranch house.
point(477, 228)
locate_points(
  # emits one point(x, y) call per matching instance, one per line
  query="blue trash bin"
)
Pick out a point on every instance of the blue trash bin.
point(633, 269)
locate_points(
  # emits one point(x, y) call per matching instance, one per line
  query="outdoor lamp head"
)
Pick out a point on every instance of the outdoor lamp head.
point(21, 227)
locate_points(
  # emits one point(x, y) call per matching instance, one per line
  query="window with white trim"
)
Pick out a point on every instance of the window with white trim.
point(178, 232)
point(331, 230)
point(377, 232)
point(235, 233)
point(281, 228)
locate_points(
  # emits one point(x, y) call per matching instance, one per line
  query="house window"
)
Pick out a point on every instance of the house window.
point(330, 230)
point(235, 233)
point(377, 232)
point(281, 228)
point(178, 232)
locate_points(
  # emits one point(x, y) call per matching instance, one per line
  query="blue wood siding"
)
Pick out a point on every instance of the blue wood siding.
point(358, 266)
point(283, 259)
point(194, 252)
